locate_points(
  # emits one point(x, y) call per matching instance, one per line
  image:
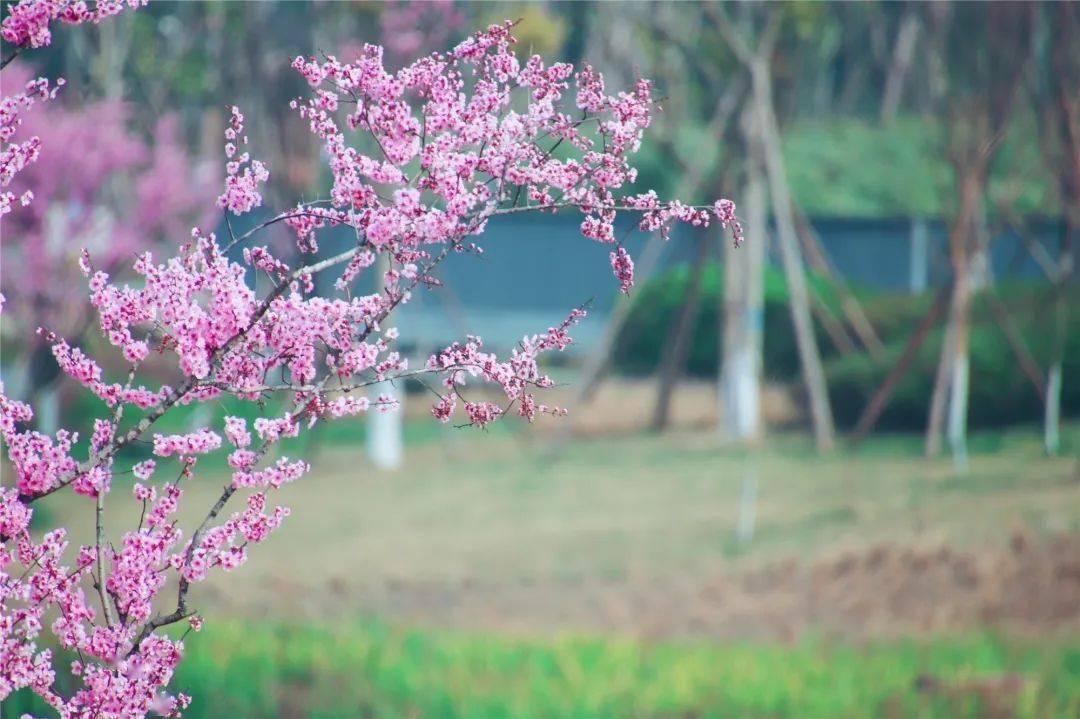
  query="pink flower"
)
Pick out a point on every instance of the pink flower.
point(144, 470)
point(419, 160)
point(241, 183)
point(623, 267)
point(200, 442)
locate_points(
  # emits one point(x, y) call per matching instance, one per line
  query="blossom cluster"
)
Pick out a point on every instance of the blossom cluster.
point(453, 140)
point(243, 175)
point(128, 194)
point(462, 137)
point(15, 156)
point(27, 23)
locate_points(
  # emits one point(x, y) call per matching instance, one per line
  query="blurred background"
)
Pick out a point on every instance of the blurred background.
point(831, 473)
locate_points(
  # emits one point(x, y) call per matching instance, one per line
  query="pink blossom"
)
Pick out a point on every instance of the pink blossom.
point(241, 183)
point(200, 442)
point(144, 470)
point(28, 21)
point(461, 138)
point(623, 267)
point(236, 431)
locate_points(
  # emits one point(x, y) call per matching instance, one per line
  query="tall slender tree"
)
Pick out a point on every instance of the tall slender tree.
point(757, 61)
point(983, 80)
point(1057, 103)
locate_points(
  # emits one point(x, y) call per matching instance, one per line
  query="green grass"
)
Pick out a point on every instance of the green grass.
point(501, 508)
point(504, 507)
point(371, 670)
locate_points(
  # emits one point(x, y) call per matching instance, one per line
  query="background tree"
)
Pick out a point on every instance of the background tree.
point(981, 93)
point(1057, 101)
point(121, 193)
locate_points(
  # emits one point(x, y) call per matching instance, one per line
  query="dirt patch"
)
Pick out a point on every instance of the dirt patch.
point(1031, 585)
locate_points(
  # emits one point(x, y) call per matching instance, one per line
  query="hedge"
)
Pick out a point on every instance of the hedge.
point(1000, 393)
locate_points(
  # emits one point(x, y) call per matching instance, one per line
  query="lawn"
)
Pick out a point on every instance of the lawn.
point(504, 506)
point(501, 577)
point(260, 670)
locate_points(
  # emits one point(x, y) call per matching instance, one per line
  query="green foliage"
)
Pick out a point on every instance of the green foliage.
point(851, 168)
point(1000, 393)
point(368, 670)
point(656, 306)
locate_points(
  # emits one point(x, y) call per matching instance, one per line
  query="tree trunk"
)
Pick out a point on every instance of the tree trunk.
point(1052, 412)
point(1052, 418)
point(384, 430)
point(903, 53)
point(743, 313)
point(1063, 112)
point(809, 357)
point(958, 395)
point(678, 344)
point(960, 315)
point(938, 401)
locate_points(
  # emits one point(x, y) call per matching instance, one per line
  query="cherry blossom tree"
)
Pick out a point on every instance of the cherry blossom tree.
point(79, 200)
point(456, 139)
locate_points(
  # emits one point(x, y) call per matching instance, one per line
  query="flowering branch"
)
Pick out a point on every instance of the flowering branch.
point(456, 140)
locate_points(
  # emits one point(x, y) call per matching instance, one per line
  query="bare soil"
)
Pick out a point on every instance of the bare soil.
point(1031, 586)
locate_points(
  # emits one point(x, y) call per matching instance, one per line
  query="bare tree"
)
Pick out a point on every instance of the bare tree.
point(907, 38)
point(743, 311)
point(984, 77)
point(757, 62)
point(1058, 107)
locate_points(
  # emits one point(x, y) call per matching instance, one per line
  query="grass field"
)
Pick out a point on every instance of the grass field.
point(264, 670)
point(504, 507)
point(605, 579)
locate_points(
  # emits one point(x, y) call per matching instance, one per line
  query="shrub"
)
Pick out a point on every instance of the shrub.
point(1000, 393)
point(638, 349)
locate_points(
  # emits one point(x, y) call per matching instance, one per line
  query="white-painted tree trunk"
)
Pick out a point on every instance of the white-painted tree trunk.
point(920, 256)
point(1052, 418)
point(958, 402)
point(385, 445)
point(384, 438)
point(743, 316)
